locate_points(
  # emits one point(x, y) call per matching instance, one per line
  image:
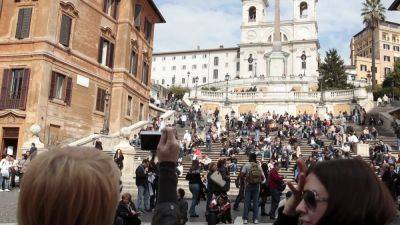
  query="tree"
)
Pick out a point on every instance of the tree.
point(178, 91)
point(372, 12)
point(391, 84)
point(333, 72)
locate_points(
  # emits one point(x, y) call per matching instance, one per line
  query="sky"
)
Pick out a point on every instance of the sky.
point(211, 23)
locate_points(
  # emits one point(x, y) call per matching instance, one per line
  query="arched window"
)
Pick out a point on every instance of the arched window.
point(303, 10)
point(252, 14)
point(285, 38)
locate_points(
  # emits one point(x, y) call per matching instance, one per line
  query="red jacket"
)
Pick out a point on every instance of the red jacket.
point(274, 178)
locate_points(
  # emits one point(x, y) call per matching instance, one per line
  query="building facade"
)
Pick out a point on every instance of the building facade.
point(250, 59)
point(73, 67)
point(387, 49)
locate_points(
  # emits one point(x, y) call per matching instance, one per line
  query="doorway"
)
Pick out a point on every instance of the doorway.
point(10, 141)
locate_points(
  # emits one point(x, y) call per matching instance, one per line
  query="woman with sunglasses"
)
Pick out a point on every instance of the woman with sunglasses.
point(344, 192)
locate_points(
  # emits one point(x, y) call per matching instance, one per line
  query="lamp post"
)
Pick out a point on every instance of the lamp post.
point(107, 114)
point(196, 80)
point(353, 77)
point(322, 101)
point(227, 82)
point(187, 83)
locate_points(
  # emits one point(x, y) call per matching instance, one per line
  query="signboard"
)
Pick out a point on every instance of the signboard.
point(83, 81)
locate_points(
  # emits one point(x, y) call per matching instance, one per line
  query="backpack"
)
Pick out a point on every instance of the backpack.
point(254, 175)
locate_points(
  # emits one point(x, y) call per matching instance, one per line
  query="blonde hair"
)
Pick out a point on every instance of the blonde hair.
point(69, 186)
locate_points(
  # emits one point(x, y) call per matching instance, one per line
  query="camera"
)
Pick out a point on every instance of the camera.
point(149, 140)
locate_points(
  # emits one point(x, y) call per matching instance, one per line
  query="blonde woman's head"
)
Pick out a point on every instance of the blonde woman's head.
point(69, 186)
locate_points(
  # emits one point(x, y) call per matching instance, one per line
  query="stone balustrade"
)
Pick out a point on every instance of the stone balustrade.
point(335, 95)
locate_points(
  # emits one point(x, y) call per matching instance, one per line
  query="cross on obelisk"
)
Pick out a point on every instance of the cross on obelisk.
point(277, 46)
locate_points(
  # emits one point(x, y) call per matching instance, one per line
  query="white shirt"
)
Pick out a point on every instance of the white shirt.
point(187, 137)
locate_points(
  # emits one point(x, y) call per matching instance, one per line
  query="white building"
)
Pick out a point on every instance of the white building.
point(299, 37)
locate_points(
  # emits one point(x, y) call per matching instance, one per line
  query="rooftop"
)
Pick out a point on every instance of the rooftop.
point(395, 5)
point(198, 50)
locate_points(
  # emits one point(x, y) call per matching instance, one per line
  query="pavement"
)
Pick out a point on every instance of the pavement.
point(9, 201)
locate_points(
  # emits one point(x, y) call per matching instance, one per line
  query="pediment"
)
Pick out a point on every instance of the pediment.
point(12, 117)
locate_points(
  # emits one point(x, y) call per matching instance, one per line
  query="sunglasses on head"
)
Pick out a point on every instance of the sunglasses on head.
point(311, 198)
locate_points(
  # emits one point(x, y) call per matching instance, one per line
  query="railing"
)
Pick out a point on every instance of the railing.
point(284, 96)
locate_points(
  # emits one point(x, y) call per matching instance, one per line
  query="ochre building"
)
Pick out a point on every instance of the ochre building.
point(73, 67)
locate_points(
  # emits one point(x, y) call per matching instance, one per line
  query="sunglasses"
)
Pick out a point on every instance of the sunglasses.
point(311, 198)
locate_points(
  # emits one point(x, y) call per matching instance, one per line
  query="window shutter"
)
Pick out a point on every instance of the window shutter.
point(101, 42)
point(26, 23)
point(24, 89)
point(98, 100)
point(105, 5)
point(53, 84)
point(114, 9)
point(65, 31)
point(7, 74)
point(68, 92)
point(18, 33)
point(110, 58)
point(138, 10)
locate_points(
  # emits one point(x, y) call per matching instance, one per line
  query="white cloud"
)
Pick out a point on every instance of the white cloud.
point(210, 23)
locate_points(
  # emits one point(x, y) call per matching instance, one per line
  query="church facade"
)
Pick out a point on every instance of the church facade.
point(252, 57)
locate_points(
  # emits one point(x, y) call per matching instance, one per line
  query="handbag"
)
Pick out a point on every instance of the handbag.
point(216, 177)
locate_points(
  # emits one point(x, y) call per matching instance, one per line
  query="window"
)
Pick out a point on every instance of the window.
point(194, 67)
point(162, 81)
point(145, 73)
point(129, 106)
point(193, 80)
point(204, 80)
point(101, 100)
point(133, 63)
point(216, 61)
point(183, 57)
point(238, 54)
point(184, 67)
point(173, 67)
point(303, 10)
point(204, 66)
point(226, 64)
point(163, 68)
point(173, 80)
point(183, 81)
point(110, 8)
point(137, 19)
point(141, 112)
point(173, 57)
point(386, 58)
point(154, 59)
point(396, 48)
point(193, 56)
point(163, 58)
point(65, 31)
point(386, 46)
point(387, 71)
point(24, 23)
point(106, 53)
point(250, 67)
point(363, 67)
point(238, 66)
point(148, 30)
point(14, 89)
point(205, 56)
point(396, 59)
point(215, 74)
point(252, 14)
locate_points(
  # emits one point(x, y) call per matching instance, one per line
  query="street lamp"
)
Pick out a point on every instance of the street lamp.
point(353, 77)
point(321, 79)
point(227, 82)
point(196, 79)
point(107, 114)
point(187, 83)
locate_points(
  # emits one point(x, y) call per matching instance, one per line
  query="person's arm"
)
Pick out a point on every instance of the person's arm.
point(167, 210)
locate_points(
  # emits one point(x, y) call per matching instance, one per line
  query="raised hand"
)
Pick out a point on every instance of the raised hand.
point(168, 148)
point(294, 201)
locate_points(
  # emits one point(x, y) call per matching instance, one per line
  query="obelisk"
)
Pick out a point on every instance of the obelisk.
point(277, 45)
point(277, 59)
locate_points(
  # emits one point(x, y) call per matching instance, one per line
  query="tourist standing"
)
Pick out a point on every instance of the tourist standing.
point(253, 177)
point(274, 182)
point(5, 165)
point(143, 198)
point(194, 178)
point(119, 159)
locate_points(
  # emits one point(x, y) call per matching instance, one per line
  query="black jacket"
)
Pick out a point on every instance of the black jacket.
point(141, 176)
point(126, 214)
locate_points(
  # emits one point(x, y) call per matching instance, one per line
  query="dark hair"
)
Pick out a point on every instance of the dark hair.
point(195, 165)
point(357, 196)
point(181, 192)
point(221, 163)
point(252, 157)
